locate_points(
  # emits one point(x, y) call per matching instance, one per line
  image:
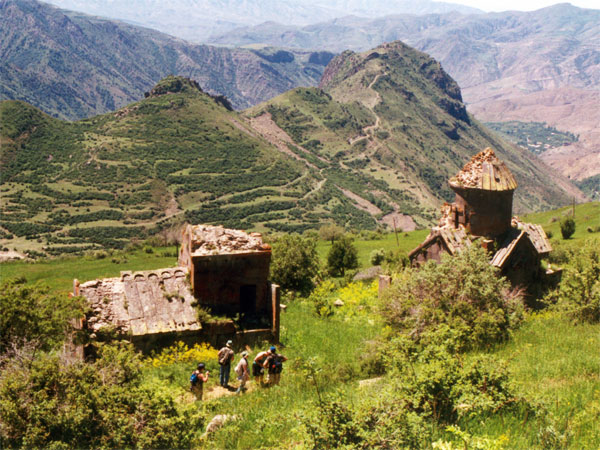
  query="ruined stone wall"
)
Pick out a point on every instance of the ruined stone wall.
point(487, 213)
point(225, 282)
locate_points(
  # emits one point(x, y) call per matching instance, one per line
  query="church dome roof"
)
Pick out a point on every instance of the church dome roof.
point(485, 172)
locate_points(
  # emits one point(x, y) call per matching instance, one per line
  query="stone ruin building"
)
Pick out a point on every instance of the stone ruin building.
point(482, 212)
point(223, 271)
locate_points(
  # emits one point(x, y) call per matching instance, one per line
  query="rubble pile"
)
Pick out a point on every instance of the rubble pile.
point(469, 176)
point(212, 240)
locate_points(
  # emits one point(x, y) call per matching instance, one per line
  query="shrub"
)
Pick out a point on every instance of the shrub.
point(567, 227)
point(463, 291)
point(434, 381)
point(342, 256)
point(321, 298)
point(377, 257)
point(47, 403)
point(579, 291)
point(34, 314)
point(295, 263)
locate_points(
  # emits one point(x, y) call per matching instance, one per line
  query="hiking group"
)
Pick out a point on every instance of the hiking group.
point(268, 360)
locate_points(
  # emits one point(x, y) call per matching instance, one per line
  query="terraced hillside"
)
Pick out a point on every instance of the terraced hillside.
point(111, 178)
point(375, 145)
point(387, 128)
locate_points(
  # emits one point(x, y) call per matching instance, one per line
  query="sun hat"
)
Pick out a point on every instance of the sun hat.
point(229, 343)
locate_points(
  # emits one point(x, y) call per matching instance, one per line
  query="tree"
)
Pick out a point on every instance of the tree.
point(33, 314)
point(567, 227)
point(295, 263)
point(331, 232)
point(342, 255)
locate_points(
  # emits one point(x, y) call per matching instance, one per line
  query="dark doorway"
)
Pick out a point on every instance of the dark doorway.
point(248, 299)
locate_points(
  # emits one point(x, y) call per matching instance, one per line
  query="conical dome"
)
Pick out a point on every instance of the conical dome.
point(486, 172)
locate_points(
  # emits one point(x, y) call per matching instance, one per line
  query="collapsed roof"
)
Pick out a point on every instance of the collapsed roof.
point(140, 303)
point(213, 240)
point(486, 172)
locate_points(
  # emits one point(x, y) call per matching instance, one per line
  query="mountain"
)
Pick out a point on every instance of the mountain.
point(197, 20)
point(74, 66)
point(541, 66)
point(374, 145)
point(396, 119)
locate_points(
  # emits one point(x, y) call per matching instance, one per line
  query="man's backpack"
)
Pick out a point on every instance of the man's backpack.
point(194, 378)
point(275, 364)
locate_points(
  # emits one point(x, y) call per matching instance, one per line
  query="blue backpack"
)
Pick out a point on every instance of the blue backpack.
point(194, 378)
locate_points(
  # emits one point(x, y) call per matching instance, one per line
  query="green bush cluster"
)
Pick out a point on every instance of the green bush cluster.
point(49, 403)
point(578, 294)
point(463, 291)
point(295, 263)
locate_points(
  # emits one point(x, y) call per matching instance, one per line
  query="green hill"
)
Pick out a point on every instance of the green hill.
point(111, 178)
point(374, 146)
point(389, 126)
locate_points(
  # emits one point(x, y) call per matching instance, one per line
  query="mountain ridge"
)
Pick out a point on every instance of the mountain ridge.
point(74, 66)
point(353, 154)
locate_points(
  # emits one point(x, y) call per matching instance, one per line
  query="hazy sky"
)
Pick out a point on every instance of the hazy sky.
point(523, 5)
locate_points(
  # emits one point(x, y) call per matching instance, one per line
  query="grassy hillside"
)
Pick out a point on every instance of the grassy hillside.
point(552, 364)
point(107, 180)
point(396, 120)
point(587, 217)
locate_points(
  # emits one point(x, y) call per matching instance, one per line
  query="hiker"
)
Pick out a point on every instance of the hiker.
point(274, 366)
point(242, 373)
point(257, 367)
point(225, 357)
point(197, 381)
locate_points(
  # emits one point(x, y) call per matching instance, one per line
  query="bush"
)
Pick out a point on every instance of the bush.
point(436, 382)
point(32, 314)
point(377, 257)
point(295, 263)
point(579, 291)
point(463, 291)
point(567, 227)
point(47, 403)
point(342, 256)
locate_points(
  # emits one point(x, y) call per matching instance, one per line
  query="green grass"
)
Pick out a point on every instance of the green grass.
point(59, 273)
point(556, 364)
point(406, 242)
point(586, 215)
point(270, 418)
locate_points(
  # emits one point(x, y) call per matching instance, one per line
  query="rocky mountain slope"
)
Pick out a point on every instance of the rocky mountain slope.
point(375, 145)
point(197, 20)
point(393, 119)
point(541, 66)
point(74, 66)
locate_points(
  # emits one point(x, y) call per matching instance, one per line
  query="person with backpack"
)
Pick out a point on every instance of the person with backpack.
point(225, 356)
point(274, 366)
point(241, 370)
point(257, 367)
point(197, 380)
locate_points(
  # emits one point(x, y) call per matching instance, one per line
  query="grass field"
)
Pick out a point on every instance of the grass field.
point(586, 215)
point(405, 243)
point(59, 273)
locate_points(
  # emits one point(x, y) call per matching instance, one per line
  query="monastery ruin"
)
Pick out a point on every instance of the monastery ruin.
point(221, 270)
point(482, 212)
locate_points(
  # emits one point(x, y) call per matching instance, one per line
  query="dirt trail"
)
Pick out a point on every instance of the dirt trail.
point(269, 130)
point(367, 131)
point(360, 202)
